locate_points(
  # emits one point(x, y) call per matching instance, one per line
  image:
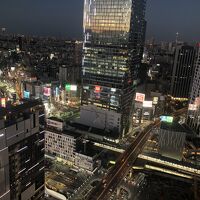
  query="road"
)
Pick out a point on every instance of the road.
point(109, 183)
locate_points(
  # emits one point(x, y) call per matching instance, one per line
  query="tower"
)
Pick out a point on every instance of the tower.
point(182, 73)
point(194, 107)
point(114, 32)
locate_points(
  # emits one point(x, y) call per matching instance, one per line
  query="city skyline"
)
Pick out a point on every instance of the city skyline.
point(108, 117)
point(46, 19)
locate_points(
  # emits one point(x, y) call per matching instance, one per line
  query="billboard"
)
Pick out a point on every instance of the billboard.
point(140, 97)
point(26, 94)
point(155, 100)
point(192, 107)
point(69, 87)
point(47, 91)
point(197, 101)
point(97, 89)
point(73, 87)
point(147, 104)
point(3, 102)
point(113, 89)
point(57, 91)
point(168, 119)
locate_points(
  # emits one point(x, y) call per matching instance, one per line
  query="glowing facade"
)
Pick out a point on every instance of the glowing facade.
point(114, 32)
point(194, 106)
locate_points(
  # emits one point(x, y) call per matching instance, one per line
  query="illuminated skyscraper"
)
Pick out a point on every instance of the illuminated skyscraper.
point(183, 70)
point(114, 32)
point(194, 107)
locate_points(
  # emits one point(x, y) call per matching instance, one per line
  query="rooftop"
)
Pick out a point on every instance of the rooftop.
point(16, 109)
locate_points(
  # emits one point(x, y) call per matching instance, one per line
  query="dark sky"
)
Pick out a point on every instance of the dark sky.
point(64, 18)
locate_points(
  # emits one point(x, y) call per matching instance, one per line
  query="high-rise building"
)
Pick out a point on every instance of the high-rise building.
point(114, 32)
point(182, 72)
point(195, 92)
point(70, 70)
point(22, 151)
point(194, 107)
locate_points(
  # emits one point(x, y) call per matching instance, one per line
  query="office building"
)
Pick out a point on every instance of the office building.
point(66, 145)
point(114, 33)
point(182, 72)
point(22, 151)
point(59, 143)
point(171, 140)
point(194, 106)
point(70, 70)
point(195, 92)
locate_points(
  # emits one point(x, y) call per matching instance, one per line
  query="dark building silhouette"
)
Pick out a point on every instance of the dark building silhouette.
point(22, 151)
point(182, 72)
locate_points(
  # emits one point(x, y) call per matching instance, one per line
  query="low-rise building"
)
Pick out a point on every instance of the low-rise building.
point(67, 145)
point(85, 162)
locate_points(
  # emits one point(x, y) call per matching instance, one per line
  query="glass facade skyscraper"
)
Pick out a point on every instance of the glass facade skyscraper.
point(183, 70)
point(114, 32)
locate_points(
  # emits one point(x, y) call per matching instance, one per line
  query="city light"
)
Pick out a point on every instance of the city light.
point(70, 87)
point(147, 104)
point(192, 107)
point(3, 102)
point(26, 94)
point(47, 91)
point(168, 119)
point(97, 89)
point(140, 97)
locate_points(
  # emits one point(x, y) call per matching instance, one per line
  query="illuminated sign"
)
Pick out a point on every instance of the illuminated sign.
point(147, 104)
point(197, 101)
point(47, 91)
point(155, 100)
point(167, 119)
point(26, 94)
point(73, 87)
point(192, 107)
point(97, 89)
point(140, 97)
point(113, 89)
point(57, 91)
point(3, 102)
point(68, 87)
point(86, 87)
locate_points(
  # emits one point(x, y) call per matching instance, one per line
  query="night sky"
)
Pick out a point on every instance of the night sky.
point(63, 18)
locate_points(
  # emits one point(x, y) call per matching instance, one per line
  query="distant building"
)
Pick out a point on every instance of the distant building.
point(194, 107)
point(70, 72)
point(195, 92)
point(22, 151)
point(114, 33)
point(182, 72)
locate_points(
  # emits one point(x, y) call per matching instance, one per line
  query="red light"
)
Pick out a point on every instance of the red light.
point(97, 89)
